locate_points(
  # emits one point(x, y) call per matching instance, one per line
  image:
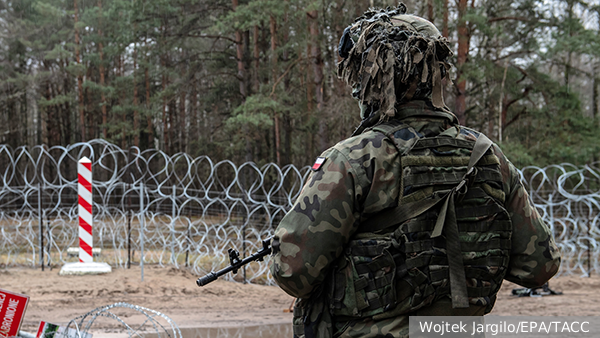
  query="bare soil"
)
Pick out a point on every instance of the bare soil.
point(173, 292)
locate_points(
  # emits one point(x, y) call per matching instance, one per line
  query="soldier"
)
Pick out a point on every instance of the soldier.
point(414, 214)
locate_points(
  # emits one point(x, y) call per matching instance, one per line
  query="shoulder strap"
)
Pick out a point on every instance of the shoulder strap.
point(479, 149)
point(446, 223)
point(399, 214)
point(401, 134)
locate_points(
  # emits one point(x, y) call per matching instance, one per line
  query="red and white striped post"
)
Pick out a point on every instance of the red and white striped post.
point(86, 242)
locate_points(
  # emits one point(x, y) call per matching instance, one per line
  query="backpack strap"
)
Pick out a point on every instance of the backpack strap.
point(481, 146)
point(446, 223)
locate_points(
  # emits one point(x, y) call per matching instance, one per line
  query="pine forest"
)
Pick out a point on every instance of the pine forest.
point(256, 80)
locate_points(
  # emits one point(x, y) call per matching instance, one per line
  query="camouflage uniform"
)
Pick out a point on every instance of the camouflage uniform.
point(356, 278)
point(361, 177)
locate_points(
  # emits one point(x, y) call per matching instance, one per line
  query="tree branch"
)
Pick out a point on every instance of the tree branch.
point(513, 54)
point(523, 95)
point(506, 18)
point(202, 36)
point(515, 118)
point(284, 74)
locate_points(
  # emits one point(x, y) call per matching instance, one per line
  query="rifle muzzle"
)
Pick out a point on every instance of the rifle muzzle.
point(211, 277)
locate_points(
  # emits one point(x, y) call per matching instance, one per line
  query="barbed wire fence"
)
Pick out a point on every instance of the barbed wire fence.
point(568, 198)
point(194, 209)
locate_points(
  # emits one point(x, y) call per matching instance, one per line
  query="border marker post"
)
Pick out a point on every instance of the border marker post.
point(84, 191)
point(86, 264)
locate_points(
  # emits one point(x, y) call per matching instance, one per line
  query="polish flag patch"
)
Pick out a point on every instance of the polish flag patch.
point(318, 163)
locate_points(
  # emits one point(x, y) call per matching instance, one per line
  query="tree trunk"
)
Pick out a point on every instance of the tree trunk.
point(165, 120)
point(595, 108)
point(194, 128)
point(273, 28)
point(430, 11)
point(310, 88)
point(101, 70)
point(67, 110)
point(52, 124)
point(595, 111)
point(124, 142)
point(461, 60)
point(256, 56)
point(445, 19)
point(61, 123)
point(502, 105)
point(182, 118)
point(339, 25)
point(246, 62)
point(241, 44)
point(136, 115)
point(317, 70)
point(287, 120)
point(241, 74)
point(172, 112)
point(305, 82)
point(569, 53)
point(79, 75)
point(90, 118)
point(49, 118)
point(148, 112)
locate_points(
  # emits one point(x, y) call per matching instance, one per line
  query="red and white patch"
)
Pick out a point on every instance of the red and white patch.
point(318, 163)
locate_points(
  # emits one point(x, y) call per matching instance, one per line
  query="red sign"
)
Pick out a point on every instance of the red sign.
point(12, 311)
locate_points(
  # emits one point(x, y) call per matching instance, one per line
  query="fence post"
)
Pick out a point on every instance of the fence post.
point(142, 216)
point(49, 241)
point(189, 240)
point(589, 248)
point(41, 218)
point(174, 210)
point(129, 216)
point(551, 212)
point(130, 183)
point(589, 242)
point(244, 247)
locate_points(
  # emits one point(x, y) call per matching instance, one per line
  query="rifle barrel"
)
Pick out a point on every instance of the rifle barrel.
point(212, 276)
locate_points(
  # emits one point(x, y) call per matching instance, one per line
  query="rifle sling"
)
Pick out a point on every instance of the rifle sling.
point(399, 214)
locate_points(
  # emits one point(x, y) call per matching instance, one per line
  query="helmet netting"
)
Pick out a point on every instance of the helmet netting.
point(391, 62)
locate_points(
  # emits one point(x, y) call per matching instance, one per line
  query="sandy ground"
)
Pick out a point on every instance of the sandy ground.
point(173, 292)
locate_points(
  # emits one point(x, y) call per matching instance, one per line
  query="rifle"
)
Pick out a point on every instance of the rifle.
point(236, 263)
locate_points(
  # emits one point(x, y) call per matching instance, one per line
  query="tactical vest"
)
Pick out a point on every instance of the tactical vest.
point(397, 266)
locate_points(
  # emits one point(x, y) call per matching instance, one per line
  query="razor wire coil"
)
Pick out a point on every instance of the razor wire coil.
point(195, 209)
point(155, 324)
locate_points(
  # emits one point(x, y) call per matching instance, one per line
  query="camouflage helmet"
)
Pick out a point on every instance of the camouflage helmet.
point(390, 57)
point(418, 24)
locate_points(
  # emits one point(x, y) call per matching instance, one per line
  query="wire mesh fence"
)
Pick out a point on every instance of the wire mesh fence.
point(194, 209)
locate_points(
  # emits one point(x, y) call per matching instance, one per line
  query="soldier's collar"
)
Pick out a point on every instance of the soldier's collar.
point(423, 108)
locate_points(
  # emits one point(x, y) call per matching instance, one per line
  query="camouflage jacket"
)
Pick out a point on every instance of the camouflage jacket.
point(360, 177)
